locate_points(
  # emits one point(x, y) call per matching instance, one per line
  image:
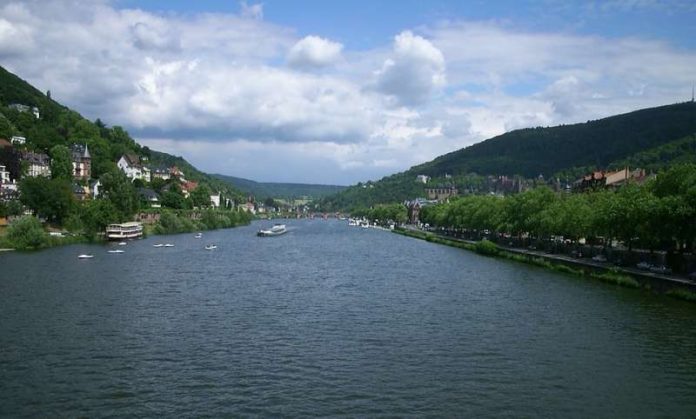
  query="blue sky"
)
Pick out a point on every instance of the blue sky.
point(341, 92)
point(368, 24)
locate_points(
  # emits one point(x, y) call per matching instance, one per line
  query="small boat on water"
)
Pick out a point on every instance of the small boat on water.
point(116, 251)
point(158, 245)
point(210, 247)
point(122, 243)
point(198, 236)
point(168, 245)
point(276, 230)
point(85, 256)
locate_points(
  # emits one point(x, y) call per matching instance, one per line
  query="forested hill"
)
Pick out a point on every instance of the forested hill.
point(654, 135)
point(276, 190)
point(534, 151)
point(59, 125)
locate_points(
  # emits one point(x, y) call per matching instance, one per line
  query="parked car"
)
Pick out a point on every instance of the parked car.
point(662, 269)
point(644, 266)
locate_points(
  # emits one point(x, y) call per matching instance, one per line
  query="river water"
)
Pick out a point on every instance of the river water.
point(330, 320)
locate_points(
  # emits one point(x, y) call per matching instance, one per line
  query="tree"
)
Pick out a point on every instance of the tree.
point(97, 214)
point(173, 198)
point(26, 233)
point(61, 163)
point(201, 196)
point(51, 199)
point(121, 193)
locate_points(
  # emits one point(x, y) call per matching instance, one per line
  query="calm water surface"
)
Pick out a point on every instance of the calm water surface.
point(330, 320)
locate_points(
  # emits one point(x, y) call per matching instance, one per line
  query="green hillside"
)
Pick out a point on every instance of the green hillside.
point(58, 125)
point(262, 190)
point(636, 138)
point(654, 159)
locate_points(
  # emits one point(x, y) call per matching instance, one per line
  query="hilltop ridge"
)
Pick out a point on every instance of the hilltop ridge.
point(561, 151)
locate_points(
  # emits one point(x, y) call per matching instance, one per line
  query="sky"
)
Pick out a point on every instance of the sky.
point(339, 92)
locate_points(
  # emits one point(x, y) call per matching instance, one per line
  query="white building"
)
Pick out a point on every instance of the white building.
point(26, 108)
point(18, 140)
point(4, 175)
point(130, 165)
point(215, 200)
point(422, 178)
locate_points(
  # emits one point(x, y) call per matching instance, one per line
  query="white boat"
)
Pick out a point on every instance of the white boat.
point(122, 231)
point(116, 251)
point(168, 245)
point(158, 245)
point(122, 243)
point(85, 256)
point(198, 235)
point(210, 247)
point(276, 230)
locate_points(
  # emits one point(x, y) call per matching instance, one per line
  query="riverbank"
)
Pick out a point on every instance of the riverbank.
point(626, 277)
point(34, 237)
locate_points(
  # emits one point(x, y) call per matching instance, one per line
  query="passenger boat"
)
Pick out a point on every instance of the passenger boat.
point(131, 230)
point(276, 230)
point(198, 235)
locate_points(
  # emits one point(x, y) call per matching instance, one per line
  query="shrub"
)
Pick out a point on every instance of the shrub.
point(26, 233)
point(486, 247)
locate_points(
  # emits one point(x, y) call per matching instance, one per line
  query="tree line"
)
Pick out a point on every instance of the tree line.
point(659, 215)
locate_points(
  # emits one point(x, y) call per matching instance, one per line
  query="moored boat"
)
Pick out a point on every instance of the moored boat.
point(210, 247)
point(116, 251)
point(85, 256)
point(131, 230)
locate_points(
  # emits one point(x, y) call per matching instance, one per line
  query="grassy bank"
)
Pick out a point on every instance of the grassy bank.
point(174, 222)
point(611, 276)
point(28, 233)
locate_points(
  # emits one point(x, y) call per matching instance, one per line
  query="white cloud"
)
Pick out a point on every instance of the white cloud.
point(413, 72)
point(314, 52)
point(223, 89)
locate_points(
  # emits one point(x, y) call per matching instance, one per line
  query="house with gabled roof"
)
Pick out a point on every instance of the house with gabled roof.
point(133, 167)
point(38, 164)
point(81, 161)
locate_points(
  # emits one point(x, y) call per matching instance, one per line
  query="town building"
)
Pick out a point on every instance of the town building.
point(163, 173)
point(81, 161)
point(150, 196)
point(131, 165)
point(80, 192)
point(414, 207)
point(441, 193)
point(94, 188)
point(18, 140)
point(38, 164)
point(25, 108)
point(4, 174)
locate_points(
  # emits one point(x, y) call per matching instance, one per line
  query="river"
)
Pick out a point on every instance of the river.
point(330, 320)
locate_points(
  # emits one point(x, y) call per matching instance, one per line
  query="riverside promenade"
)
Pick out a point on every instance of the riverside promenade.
point(655, 281)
